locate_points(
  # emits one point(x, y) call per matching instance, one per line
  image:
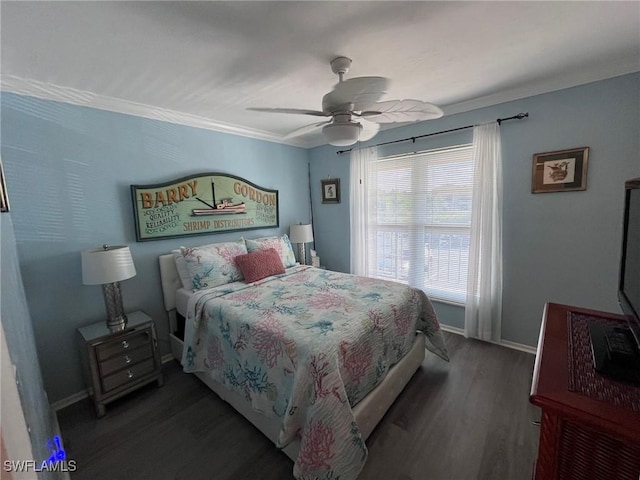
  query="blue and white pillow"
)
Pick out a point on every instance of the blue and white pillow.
point(282, 245)
point(213, 265)
point(181, 267)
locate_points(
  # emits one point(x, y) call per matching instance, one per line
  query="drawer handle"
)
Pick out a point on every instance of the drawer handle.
point(127, 359)
point(536, 423)
point(129, 374)
point(125, 344)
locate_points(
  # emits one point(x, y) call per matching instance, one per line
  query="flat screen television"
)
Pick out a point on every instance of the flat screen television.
point(616, 350)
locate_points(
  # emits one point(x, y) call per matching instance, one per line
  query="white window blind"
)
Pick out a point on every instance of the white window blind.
point(419, 220)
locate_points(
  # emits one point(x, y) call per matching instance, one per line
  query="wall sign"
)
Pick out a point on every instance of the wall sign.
point(202, 204)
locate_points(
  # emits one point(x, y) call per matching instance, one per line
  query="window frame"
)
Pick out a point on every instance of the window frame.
point(437, 291)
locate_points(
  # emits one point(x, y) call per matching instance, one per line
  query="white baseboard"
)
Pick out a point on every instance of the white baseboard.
point(166, 358)
point(456, 330)
point(70, 400)
point(503, 343)
point(76, 397)
point(519, 346)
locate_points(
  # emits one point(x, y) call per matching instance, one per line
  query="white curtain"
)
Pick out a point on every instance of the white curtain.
point(361, 244)
point(483, 309)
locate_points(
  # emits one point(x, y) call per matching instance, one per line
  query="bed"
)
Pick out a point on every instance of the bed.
point(304, 355)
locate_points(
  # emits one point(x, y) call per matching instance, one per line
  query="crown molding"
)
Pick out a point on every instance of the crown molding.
point(48, 91)
point(509, 95)
point(539, 88)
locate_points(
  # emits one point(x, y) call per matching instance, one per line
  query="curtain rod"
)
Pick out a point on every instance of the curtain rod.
point(519, 116)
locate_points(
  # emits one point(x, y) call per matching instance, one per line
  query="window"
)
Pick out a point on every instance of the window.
point(419, 220)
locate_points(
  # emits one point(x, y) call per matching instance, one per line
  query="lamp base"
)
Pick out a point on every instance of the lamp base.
point(117, 324)
point(116, 319)
point(302, 254)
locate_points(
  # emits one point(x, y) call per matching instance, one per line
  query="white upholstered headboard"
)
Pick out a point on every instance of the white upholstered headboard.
point(170, 281)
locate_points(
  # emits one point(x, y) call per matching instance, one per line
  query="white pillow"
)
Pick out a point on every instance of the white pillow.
point(281, 244)
point(183, 271)
point(213, 265)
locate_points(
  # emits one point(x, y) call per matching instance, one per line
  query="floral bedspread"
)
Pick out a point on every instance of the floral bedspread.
point(304, 347)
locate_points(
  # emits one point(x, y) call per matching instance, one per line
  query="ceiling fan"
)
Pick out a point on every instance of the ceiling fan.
point(354, 109)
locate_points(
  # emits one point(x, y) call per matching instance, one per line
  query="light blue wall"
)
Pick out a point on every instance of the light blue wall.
point(17, 327)
point(68, 172)
point(560, 247)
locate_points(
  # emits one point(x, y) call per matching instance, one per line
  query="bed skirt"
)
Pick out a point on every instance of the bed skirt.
point(368, 412)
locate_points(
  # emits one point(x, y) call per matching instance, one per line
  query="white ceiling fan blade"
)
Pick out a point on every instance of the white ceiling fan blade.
point(394, 111)
point(299, 111)
point(369, 129)
point(360, 92)
point(306, 129)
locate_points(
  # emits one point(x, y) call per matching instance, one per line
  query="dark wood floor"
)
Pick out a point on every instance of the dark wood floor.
point(466, 419)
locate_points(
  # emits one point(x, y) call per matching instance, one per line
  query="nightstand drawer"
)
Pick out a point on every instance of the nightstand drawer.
point(128, 375)
point(125, 360)
point(122, 345)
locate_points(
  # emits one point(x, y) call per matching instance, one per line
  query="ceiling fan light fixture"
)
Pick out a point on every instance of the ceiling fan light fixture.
point(358, 98)
point(342, 134)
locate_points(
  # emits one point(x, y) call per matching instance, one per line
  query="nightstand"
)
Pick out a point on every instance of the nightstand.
point(117, 363)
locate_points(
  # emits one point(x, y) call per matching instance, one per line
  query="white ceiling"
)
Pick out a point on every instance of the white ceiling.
point(204, 63)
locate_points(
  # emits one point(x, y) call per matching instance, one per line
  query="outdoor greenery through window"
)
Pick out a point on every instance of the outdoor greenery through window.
point(419, 220)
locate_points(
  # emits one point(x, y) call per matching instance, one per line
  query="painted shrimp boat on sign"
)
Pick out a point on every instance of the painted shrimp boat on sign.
point(224, 207)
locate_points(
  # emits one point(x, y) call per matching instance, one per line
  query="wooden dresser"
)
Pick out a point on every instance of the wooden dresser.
point(590, 426)
point(117, 363)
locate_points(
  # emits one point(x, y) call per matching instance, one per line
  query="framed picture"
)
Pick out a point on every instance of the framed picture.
point(4, 199)
point(331, 190)
point(560, 171)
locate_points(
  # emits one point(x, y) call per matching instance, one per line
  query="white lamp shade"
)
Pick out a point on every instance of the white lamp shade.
point(301, 233)
point(108, 264)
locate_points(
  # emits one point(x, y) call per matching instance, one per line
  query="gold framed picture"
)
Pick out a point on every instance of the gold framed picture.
point(560, 171)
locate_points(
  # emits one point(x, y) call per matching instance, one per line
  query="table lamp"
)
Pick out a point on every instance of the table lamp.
point(107, 266)
point(301, 234)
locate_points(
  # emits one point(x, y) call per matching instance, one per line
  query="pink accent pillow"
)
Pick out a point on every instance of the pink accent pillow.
point(258, 265)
